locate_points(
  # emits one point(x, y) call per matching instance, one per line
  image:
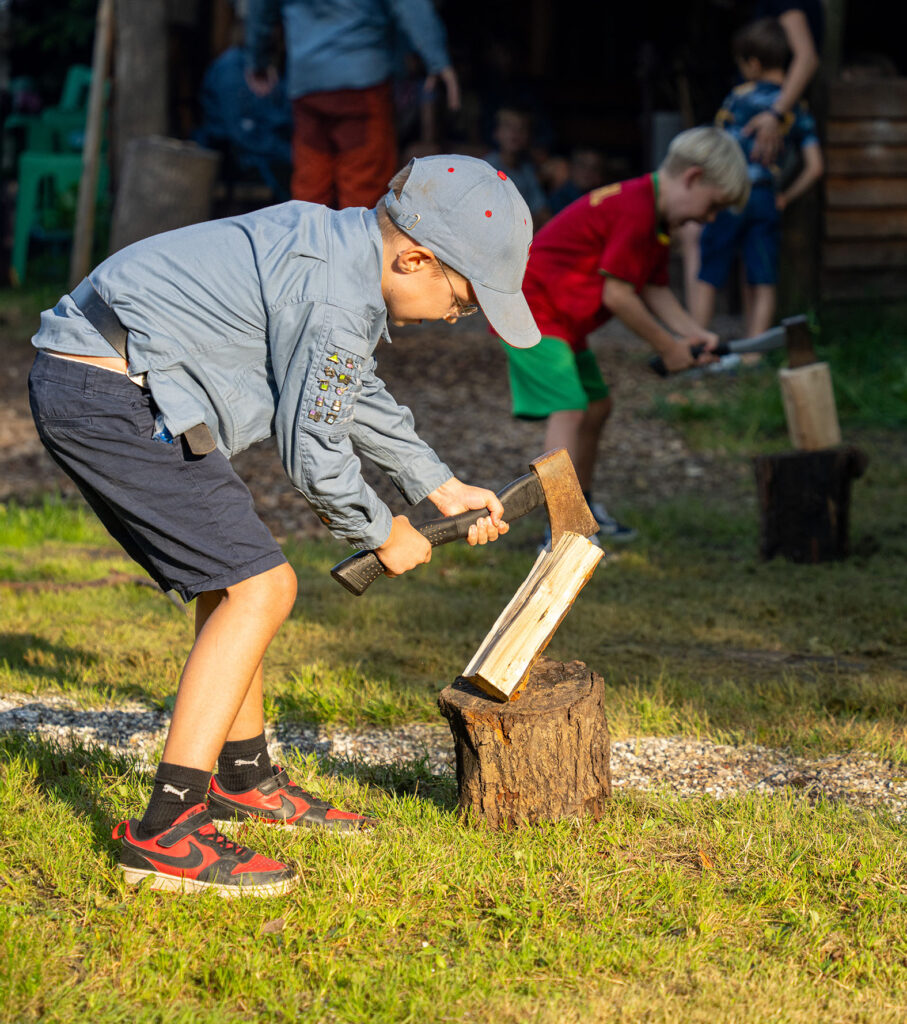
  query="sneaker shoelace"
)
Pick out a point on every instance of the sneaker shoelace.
point(228, 845)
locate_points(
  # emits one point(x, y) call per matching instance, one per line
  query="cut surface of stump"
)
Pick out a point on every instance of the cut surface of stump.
point(543, 757)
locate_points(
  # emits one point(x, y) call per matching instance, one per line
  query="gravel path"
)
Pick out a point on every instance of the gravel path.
point(685, 767)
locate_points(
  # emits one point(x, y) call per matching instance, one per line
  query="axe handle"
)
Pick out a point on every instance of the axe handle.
point(359, 571)
point(656, 363)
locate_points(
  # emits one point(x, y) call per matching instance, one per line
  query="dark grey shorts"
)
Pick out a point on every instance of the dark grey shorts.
point(187, 519)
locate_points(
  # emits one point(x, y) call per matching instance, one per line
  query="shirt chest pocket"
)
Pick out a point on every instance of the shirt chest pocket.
point(334, 383)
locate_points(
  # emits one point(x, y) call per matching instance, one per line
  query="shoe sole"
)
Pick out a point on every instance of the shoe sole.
point(189, 886)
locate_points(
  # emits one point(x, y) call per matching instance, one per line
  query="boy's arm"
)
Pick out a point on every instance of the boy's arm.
point(665, 305)
point(620, 297)
point(261, 16)
point(813, 169)
point(385, 432)
point(804, 64)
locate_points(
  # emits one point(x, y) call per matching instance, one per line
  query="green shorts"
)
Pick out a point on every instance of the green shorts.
point(551, 377)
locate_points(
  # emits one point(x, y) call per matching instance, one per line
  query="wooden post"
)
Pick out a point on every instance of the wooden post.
point(141, 93)
point(804, 502)
point(809, 407)
point(543, 757)
point(80, 257)
point(165, 184)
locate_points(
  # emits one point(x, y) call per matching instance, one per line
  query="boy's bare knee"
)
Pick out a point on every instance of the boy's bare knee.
point(273, 590)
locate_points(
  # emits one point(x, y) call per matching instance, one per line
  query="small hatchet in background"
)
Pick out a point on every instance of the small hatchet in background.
point(793, 333)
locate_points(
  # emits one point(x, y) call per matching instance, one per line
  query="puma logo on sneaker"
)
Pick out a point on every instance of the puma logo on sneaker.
point(181, 793)
point(254, 760)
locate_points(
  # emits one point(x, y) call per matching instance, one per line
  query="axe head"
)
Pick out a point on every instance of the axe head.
point(799, 340)
point(567, 508)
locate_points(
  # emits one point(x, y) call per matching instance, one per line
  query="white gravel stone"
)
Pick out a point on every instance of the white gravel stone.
point(676, 764)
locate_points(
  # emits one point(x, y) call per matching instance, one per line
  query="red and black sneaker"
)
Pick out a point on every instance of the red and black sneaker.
point(277, 801)
point(192, 856)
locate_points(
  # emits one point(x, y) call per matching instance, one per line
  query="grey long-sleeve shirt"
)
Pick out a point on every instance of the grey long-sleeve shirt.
point(266, 324)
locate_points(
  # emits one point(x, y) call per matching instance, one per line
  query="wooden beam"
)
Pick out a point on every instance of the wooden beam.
point(883, 130)
point(887, 223)
point(879, 97)
point(874, 253)
point(879, 193)
point(861, 285)
point(869, 160)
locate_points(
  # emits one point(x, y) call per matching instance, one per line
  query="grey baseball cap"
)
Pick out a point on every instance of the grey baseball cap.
point(474, 220)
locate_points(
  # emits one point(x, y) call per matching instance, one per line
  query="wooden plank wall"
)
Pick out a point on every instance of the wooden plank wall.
point(864, 254)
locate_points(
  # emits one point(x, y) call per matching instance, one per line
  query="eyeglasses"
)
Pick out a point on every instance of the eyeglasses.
point(462, 308)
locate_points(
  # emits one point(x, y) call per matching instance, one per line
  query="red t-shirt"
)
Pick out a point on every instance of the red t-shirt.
point(612, 231)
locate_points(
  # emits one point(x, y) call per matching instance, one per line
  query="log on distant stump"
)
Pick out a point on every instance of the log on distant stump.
point(542, 757)
point(804, 502)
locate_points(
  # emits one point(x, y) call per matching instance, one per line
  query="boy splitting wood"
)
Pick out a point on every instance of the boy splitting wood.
point(233, 331)
point(606, 255)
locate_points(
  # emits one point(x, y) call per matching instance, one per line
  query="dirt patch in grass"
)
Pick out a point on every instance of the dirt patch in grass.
point(454, 379)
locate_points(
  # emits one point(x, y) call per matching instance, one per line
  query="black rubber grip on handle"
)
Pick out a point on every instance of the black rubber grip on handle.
point(520, 497)
point(656, 363)
point(358, 572)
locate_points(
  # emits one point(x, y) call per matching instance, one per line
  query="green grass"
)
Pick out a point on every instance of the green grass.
point(751, 909)
point(754, 909)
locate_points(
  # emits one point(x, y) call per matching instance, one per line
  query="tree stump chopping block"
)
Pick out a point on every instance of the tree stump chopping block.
point(542, 757)
point(804, 502)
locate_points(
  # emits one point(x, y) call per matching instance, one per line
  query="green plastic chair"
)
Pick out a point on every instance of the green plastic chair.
point(59, 129)
point(44, 181)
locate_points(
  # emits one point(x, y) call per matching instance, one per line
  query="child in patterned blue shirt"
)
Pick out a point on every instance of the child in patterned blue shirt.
point(762, 54)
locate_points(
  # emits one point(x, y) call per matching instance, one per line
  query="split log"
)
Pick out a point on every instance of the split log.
point(804, 502)
point(809, 407)
point(523, 630)
point(544, 757)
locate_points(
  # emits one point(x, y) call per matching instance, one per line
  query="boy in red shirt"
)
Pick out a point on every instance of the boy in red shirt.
point(607, 255)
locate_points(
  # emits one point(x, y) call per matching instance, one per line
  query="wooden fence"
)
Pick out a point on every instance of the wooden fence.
point(864, 253)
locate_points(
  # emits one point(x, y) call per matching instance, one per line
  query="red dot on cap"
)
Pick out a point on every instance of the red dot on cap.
point(502, 175)
point(450, 170)
point(488, 213)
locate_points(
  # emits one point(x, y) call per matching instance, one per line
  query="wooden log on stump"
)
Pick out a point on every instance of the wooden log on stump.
point(809, 407)
point(542, 757)
point(804, 502)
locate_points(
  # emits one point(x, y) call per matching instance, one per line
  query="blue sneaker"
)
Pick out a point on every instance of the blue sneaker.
point(609, 527)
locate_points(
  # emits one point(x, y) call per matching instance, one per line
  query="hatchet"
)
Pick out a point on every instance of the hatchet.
point(552, 482)
point(793, 332)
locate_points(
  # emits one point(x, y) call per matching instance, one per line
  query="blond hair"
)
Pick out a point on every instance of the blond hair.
point(717, 154)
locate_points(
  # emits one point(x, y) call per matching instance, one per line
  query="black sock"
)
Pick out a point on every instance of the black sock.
point(244, 763)
point(176, 789)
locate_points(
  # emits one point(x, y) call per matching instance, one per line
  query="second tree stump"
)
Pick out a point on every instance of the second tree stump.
point(542, 757)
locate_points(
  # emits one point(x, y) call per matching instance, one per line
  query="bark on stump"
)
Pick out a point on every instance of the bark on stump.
point(804, 502)
point(542, 757)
